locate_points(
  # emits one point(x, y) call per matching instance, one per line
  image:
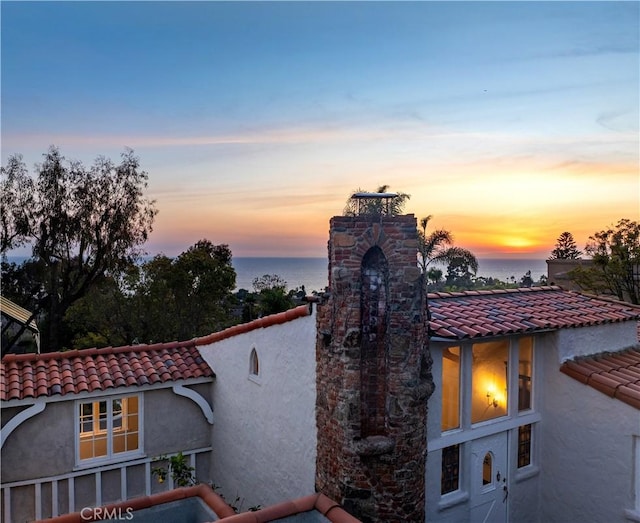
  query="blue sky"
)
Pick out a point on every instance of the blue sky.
point(510, 122)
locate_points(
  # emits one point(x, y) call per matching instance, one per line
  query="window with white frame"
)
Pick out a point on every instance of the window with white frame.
point(486, 369)
point(108, 428)
point(482, 383)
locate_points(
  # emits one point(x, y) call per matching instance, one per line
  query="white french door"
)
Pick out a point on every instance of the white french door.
point(489, 482)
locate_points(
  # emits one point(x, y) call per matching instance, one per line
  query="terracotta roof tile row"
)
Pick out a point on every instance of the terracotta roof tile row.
point(71, 372)
point(90, 370)
point(261, 323)
point(288, 510)
point(476, 314)
point(616, 374)
point(214, 501)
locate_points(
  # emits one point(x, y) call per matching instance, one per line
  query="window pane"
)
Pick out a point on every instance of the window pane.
point(102, 408)
point(525, 353)
point(487, 469)
point(489, 380)
point(100, 447)
point(132, 441)
point(119, 443)
point(450, 388)
point(524, 446)
point(125, 426)
point(117, 414)
point(86, 448)
point(450, 469)
point(86, 417)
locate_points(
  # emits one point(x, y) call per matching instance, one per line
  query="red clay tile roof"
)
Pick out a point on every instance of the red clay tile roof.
point(89, 370)
point(476, 314)
point(261, 323)
point(616, 374)
point(287, 510)
point(204, 492)
point(71, 372)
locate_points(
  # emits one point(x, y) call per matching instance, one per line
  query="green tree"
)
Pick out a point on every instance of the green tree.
point(565, 248)
point(272, 296)
point(437, 247)
point(615, 252)
point(203, 282)
point(367, 203)
point(434, 275)
point(81, 223)
point(526, 280)
point(459, 274)
point(102, 317)
point(162, 299)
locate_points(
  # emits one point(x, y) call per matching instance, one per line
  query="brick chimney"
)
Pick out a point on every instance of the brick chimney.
point(373, 370)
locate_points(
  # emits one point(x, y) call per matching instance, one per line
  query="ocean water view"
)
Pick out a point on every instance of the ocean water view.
point(313, 272)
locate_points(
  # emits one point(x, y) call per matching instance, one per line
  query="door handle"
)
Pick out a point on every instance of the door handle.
point(506, 492)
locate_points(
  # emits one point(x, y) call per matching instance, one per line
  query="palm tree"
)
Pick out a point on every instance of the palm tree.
point(438, 247)
point(390, 206)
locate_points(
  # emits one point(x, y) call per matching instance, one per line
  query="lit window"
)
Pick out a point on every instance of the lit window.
point(254, 364)
point(450, 388)
point(489, 380)
point(108, 427)
point(525, 353)
point(524, 446)
point(450, 480)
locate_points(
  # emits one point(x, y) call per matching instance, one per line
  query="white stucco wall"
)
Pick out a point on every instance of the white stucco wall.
point(264, 433)
point(598, 338)
point(524, 484)
point(587, 438)
point(583, 445)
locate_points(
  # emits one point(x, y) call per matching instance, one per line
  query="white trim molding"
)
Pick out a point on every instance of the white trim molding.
point(112, 391)
point(20, 418)
point(181, 390)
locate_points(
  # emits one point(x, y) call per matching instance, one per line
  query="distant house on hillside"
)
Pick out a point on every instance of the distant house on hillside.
point(558, 272)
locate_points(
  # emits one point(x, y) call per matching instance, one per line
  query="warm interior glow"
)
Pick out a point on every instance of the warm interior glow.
point(95, 431)
point(450, 388)
point(489, 380)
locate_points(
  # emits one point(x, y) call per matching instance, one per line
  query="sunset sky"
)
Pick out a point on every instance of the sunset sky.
point(510, 122)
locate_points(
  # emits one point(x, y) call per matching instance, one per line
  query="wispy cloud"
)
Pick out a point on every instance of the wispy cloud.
point(292, 135)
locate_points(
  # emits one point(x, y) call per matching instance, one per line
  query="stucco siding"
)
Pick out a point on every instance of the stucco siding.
point(173, 423)
point(523, 484)
point(585, 341)
point(264, 432)
point(587, 461)
point(42, 445)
